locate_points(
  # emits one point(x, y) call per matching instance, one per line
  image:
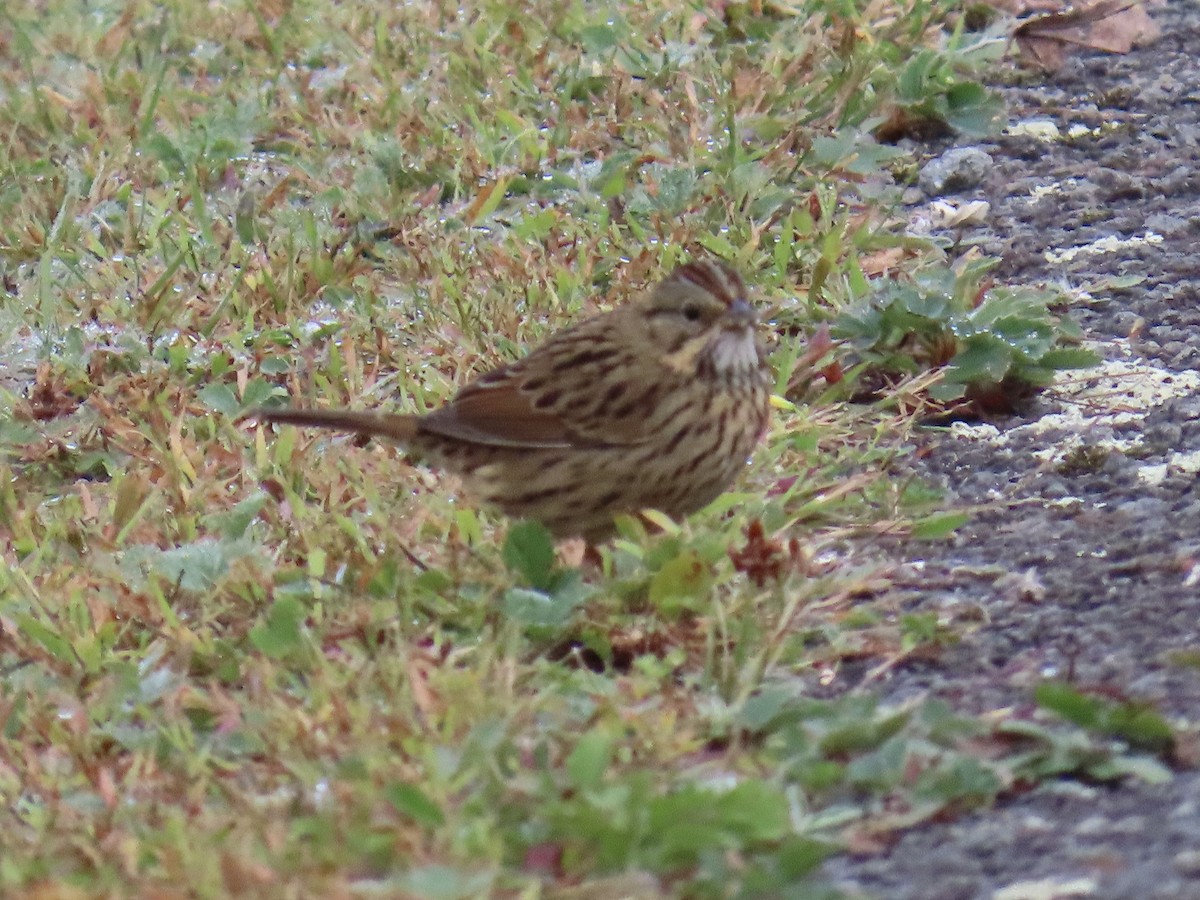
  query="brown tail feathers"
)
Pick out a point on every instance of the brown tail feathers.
point(393, 427)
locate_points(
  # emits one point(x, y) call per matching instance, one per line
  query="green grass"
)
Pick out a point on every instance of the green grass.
point(234, 663)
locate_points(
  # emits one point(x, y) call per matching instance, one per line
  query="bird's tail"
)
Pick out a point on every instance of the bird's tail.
point(393, 427)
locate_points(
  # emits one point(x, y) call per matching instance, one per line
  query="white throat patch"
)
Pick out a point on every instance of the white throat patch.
point(735, 351)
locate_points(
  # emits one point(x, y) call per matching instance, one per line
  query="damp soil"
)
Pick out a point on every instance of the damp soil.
point(1110, 556)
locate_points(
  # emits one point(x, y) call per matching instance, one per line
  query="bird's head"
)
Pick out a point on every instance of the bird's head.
point(702, 323)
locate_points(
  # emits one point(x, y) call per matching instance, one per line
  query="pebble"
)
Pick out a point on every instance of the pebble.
point(1187, 863)
point(955, 170)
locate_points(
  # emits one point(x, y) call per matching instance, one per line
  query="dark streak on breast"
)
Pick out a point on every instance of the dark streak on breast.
point(676, 440)
point(647, 399)
point(608, 499)
point(614, 393)
point(531, 497)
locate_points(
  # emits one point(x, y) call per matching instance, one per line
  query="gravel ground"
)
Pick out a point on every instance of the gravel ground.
point(1110, 550)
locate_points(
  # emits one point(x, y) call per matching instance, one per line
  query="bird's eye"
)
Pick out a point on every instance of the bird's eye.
point(692, 312)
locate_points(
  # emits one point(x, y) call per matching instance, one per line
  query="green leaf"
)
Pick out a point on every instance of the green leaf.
point(257, 393)
point(1068, 703)
point(972, 109)
point(411, 801)
point(197, 566)
point(279, 633)
point(1144, 768)
point(959, 779)
point(1138, 724)
point(161, 147)
point(529, 551)
point(598, 39)
point(440, 882)
point(15, 434)
point(54, 643)
point(947, 391)
point(243, 218)
point(132, 495)
point(918, 629)
point(756, 810)
point(538, 609)
point(939, 526)
point(1112, 283)
point(832, 150)
point(590, 759)
point(220, 398)
point(853, 736)
point(985, 359)
point(469, 527)
point(912, 83)
point(718, 245)
point(613, 178)
point(880, 770)
point(675, 189)
point(1142, 726)
point(529, 607)
point(696, 820)
point(927, 304)
point(233, 523)
point(795, 858)
point(682, 583)
point(435, 582)
point(535, 227)
point(764, 708)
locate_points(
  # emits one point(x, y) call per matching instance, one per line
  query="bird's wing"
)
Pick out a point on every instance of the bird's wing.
point(564, 394)
point(498, 414)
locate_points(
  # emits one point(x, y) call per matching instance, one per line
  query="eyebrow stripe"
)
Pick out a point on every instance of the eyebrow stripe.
point(717, 279)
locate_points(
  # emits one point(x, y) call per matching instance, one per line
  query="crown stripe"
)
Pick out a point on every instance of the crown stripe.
point(717, 278)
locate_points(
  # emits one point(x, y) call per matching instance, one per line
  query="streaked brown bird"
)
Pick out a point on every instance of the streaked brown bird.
point(656, 404)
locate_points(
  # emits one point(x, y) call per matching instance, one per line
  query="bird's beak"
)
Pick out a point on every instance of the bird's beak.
point(741, 314)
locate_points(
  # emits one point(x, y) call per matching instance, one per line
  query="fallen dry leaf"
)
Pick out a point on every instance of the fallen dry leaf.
point(881, 262)
point(1114, 26)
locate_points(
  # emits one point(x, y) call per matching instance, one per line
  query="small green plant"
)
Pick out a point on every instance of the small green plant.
point(1138, 724)
point(992, 345)
point(932, 89)
point(551, 595)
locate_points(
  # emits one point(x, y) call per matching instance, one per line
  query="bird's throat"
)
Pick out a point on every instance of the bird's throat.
point(735, 352)
point(730, 353)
